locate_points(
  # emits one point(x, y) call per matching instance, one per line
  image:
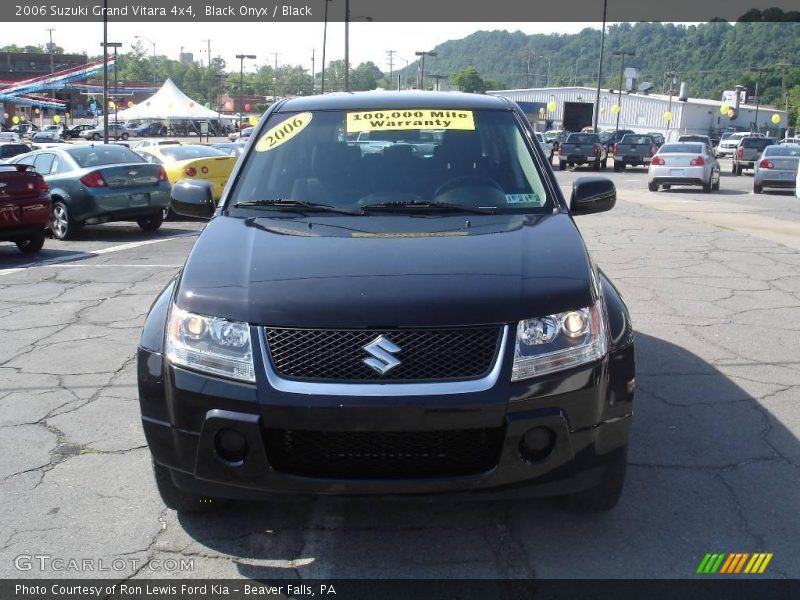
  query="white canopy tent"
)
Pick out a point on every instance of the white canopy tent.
point(168, 103)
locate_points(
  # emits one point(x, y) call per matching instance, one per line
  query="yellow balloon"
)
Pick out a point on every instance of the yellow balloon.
point(667, 116)
point(5, 115)
point(66, 115)
point(724, 109)
point(551, 106)
point(602, 110)
point(776, 118)
point(615, 109)
point(253, 121)
point(130, 103)
point(56, 119)
point(731, 113)
point(37, 111)
point(111, 104)
point(15, 120)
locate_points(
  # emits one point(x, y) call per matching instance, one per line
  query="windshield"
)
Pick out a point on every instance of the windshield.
point(189, 152)
point(582, 138)
point(474, 159)
point(681, 149)
point(93, 156)
point(636, 139)
point(757, 143)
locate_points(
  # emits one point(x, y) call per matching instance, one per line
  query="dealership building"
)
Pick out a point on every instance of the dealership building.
point(640, 112)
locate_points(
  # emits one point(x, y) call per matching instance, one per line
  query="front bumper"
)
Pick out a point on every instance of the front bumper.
point(588, 410)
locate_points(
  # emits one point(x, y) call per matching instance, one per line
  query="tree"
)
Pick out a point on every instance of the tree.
point(468, 80)
point(365, 77)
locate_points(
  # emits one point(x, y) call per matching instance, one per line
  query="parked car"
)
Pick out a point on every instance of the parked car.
point(9, 150)
point(748, 151)
point(776, 167)
point(582, 149)
point(684, 163)
point(244, 134)
point(9, 136)
point(657, 138)
point(53, 128)
point(48, 137)
point(231, 148)
point(614, 137)
point(76, 130)
point(154, 143)
point(25, 129)
point(96, 183)
point(25, 207)
point(635, 150)
point(150, 130)
point(546, 144)
point(324, 336)
point(790, 140)
point(703, 139)
point(189, 161)
point(115, 131)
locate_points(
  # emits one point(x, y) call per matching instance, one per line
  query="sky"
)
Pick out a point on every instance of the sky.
point(292, 41)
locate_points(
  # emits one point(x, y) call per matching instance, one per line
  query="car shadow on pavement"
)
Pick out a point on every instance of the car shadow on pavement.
point(695, 190)
point(711, 469)
point(11, 257)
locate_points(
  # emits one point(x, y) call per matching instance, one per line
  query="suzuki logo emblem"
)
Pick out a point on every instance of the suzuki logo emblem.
point(382, 350)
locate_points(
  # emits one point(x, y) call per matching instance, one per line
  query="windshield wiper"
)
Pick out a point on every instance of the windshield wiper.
point(284, 203)
point(426, 205)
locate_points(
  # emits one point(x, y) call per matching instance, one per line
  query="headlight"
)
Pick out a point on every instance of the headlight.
point(560, 341)
point(210, 344)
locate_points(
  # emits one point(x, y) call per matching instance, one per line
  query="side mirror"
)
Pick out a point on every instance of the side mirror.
point(193, 199)
point(592, 195)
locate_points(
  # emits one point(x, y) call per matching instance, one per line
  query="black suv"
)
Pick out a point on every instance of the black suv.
point(356, 321)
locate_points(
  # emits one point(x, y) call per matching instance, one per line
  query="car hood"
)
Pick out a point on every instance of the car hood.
point(383, 271)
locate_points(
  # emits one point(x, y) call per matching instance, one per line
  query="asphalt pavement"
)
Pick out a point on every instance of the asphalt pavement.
point(713, 285)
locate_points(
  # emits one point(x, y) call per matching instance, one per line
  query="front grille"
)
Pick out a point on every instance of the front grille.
point(425, 355)
point(384, 454)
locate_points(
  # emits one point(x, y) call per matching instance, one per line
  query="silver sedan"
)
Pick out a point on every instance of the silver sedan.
point(776, 167)
point(690, 163)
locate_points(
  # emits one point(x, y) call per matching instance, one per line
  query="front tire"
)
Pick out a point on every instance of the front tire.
point(31, 244)
point(151, 222)
point(562, 164)
point(96, 136)
point(738, 169)
point(180, 500)
point(605, 496)
point(124, 136)
point(667, 186)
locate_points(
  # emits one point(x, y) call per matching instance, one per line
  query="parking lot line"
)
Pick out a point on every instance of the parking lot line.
point(84, 255)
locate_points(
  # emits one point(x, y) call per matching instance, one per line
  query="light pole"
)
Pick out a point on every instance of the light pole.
point(50, 48)
point(405, 60)
point(623, 54)
point(152, 43)
point(423, 54)
point(241, 58)
point(547, 83)
point(600, 67)
point(105, 71)
point(347, 20)
point(106, 45)
point(324, 43)
point(760, 71)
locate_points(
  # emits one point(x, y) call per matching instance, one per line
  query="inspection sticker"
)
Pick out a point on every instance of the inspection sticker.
point(413, 118)
point(283, 132)
point(523, 199)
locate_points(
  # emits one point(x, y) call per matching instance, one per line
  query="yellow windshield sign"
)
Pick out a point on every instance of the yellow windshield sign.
point(413, 118)
point(283, 132)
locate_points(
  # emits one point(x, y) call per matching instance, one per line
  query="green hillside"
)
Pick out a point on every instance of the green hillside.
point(711, 57)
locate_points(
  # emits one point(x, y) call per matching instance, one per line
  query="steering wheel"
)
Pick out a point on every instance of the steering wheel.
point(471, 181)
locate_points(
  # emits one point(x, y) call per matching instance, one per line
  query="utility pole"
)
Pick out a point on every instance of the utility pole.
point(209, 84)
point(623, 54)
point(105, 71)
point(313, 72)
point(324, 43)
point(783, 64)
point(528, 71)
point(241, 58)
point(106, 46)
point(600, 67)
point(672, 74)
point(547, 83)
point(391, 63)
point(760, 71)
point(50, 48)
point(346, 45)
point(275, 90)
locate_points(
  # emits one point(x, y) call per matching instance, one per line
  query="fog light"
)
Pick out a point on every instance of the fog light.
point(538, 443)
point(231, 446)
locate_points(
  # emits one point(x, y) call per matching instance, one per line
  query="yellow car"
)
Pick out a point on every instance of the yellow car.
point(192, 162)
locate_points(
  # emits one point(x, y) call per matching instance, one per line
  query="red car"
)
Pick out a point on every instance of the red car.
point(25, 207)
